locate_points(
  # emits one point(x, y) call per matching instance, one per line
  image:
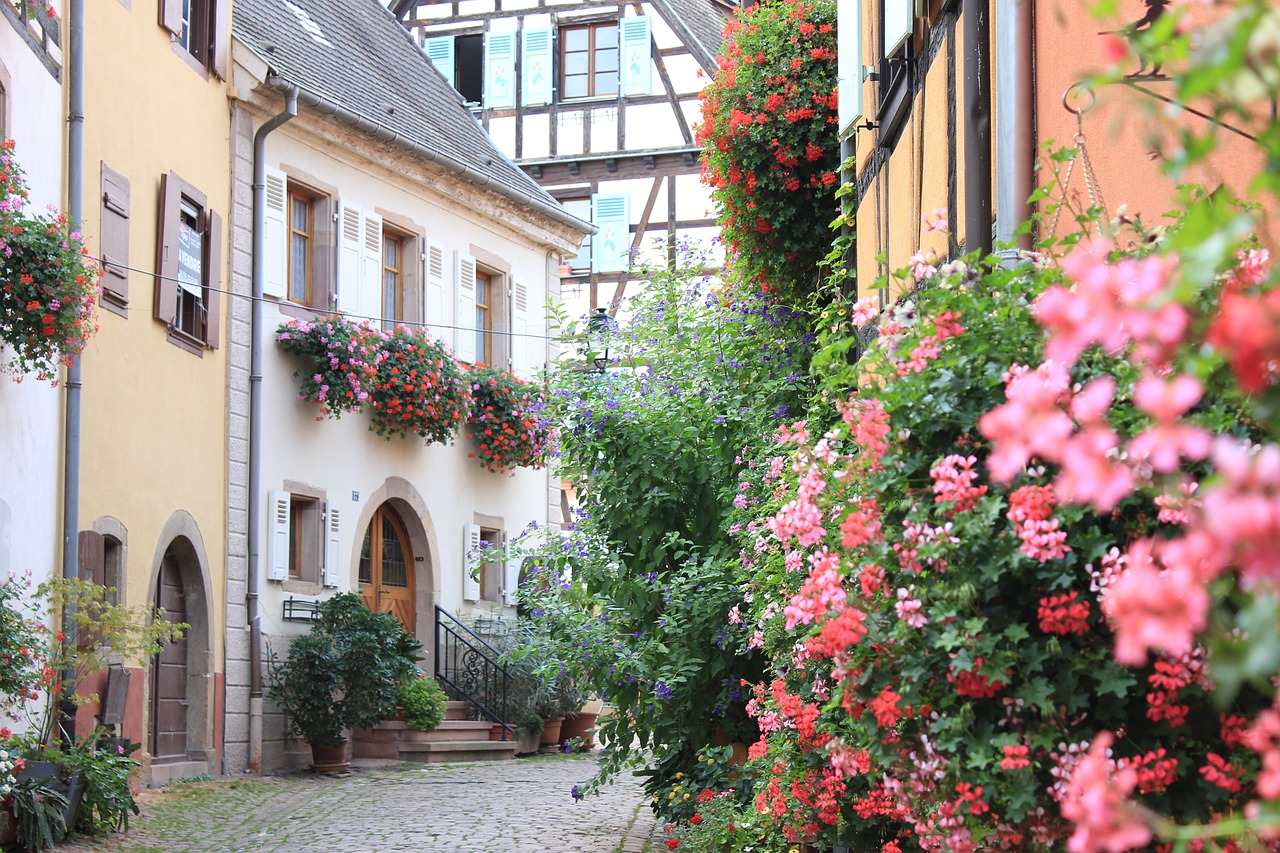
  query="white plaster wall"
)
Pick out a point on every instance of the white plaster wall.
point(30, 411)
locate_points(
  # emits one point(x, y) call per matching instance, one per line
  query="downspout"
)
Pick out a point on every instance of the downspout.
point(71, 440)
point(255, 427)
point(1015, 119)
point(976, 16)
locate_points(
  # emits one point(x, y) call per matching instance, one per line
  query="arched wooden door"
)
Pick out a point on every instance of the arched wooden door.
point(386, 567)
point(169, 673)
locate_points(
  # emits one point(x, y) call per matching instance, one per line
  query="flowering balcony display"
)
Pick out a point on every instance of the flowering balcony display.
point(48, 285)
point(506, 422)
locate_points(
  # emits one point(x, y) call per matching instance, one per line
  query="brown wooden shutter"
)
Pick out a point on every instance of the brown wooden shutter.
point(171, 16)
point(221, 39)
point(165, 304)
point(113, 228)
point(213, 281)
point(93, 561)
point(324, 248)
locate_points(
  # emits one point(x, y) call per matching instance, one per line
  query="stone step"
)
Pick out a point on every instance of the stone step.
point(455, 709)
point(458, 750)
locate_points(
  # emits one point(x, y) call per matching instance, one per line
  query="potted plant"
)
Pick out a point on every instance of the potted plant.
point(422, 701)
point(345, 674)
point(528, 735)
point(339, 370)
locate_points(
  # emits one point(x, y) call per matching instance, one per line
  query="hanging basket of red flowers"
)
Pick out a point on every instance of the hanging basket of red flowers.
point(506, 420)
point(48, 287)
point(338, 373)
point(419, 387)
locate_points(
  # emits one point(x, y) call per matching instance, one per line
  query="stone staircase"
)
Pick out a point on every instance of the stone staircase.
point(457, 739)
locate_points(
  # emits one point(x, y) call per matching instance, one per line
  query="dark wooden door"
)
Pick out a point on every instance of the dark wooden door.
point(386, 568)
point(169, 675)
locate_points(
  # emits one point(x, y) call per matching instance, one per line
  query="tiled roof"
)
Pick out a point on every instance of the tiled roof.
point(353, 55)
point(704, 20)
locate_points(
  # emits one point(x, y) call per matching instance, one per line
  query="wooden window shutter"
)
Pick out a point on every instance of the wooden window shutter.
point(611, 246)
point(470, 580)
point(636, 73)
point(221, 25)
point(93, 557)
point(464, 267)
point(439, 50)
point(511, 577)
point(213, 294)
point(113, 240)
point(350, 239)
point(323, 275)
point(536, 67)
point(165, 303)
point(371, 267)
point(332, 544)
point(437, 319)
point(499, 70)
point(278, 510)
point(171, 16)
point(521, 345)
point(274, 235)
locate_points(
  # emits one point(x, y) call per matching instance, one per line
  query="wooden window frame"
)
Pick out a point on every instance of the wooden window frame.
point(200, 36)
point(484, 331)
point(402, 243)
point(113, 239)
point(293, 193)
point(494, 538)
point(169, 302)
point(591, 28)
point(306, 539)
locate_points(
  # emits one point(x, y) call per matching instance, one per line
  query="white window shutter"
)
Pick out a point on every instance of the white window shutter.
point(439, 50)
point(611, 246)
point(521, 345)
point(275, 239)
point(371, 267)
point(535, 67)
point(849, 63)
point(470, 582)
point(332, 544)
point(464, 270)
point(899, 22)
point(499, 70)
point(636, 73)
point(511, 577)
point(349, 243)
point(438, 321)
point(278, 509)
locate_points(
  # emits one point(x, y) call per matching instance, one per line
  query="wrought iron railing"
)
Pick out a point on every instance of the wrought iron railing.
point(470, 669)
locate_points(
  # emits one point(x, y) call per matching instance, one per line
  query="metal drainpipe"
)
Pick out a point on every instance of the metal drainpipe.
point(1015, 119)
point(255, 428)
point(71, 448)
point(976, 15)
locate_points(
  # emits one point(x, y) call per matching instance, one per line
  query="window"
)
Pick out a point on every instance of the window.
point(581, 208)
point(189, 260)
point(4, 111)
point(198, 29)
point(305, 535)
point(392, 279)
point(484, 317)
point(302, 538)
point(469, 67)
point(589, 60)
point(301, 242)
point(491, 572)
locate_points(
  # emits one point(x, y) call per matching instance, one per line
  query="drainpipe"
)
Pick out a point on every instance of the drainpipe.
point(976, 15)
point(255, 428)
point(71, 440)
point(1015, 119)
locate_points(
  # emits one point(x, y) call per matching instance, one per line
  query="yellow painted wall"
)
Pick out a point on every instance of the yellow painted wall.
point(154, 415)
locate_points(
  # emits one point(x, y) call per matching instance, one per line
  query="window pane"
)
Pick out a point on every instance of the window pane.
point(575, 87)
point(390, 295)
point(606, 37)
point(301, 214)
point(607, 83)
point(395, 572)
point(607, 60)
point(576, 40)
point(298, 268)
point(391, 253)
point(366, 564)
point(575, 63)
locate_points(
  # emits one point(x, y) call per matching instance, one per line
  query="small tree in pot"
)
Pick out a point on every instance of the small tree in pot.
point(345, 674)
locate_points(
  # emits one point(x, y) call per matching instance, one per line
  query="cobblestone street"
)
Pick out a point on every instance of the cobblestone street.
point(494, 807)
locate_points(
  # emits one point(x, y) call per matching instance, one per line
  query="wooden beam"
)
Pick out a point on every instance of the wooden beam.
point(628, 167)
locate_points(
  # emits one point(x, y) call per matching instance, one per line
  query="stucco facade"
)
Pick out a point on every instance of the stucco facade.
point(154, 467)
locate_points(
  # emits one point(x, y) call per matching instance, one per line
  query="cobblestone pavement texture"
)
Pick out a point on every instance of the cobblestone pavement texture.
point(493, 807)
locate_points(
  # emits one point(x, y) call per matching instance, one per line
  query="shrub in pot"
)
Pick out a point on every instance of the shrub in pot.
point(422, 702)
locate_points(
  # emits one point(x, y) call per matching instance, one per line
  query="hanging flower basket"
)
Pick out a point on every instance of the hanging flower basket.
point(506, 420)
point(48, 285)
point(419, 387)
point(339, 372)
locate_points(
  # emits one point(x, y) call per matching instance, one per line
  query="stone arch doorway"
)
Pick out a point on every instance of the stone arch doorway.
point(387, 570)
point(180, 703)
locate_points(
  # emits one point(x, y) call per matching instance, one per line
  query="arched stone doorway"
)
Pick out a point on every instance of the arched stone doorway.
point(387, 567)
point(180, 700)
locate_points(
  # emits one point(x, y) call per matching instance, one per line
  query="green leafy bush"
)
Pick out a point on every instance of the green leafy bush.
point(422, 701)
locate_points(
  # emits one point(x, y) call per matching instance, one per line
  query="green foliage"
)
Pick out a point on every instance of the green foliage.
point(345, 674)
point(771, 147)
point(422, 701)
point(107, 771)
point(38, 811)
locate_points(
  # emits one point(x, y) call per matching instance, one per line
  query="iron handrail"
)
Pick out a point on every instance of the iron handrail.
point(486, 678)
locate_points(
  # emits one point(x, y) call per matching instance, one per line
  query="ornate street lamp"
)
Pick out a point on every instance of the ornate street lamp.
point(600, 326)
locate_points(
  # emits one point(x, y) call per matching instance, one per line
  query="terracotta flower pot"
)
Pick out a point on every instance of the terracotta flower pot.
point(330, 759)
point(579, 725)
point(551, 731)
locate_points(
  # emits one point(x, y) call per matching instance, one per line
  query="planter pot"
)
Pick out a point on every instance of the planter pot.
point(46, 772)
point(551, 731)
point(579, 725)
point(526, 741)
point(496, 731)
point(330, 759)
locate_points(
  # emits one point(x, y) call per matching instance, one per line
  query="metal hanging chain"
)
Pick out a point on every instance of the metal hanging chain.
point(1082, 156)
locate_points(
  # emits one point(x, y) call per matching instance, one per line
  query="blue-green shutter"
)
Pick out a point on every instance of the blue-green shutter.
point(535, 67)
point(499, 70)
point(439, 50)
point(611, 246)
point(636, 73)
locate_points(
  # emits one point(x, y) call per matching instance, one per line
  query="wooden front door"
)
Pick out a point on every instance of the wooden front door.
point(169, 674)
point(386, 568)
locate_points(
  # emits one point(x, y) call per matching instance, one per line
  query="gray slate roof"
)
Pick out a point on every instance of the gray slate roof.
point(704, 20)
point(353, 54)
